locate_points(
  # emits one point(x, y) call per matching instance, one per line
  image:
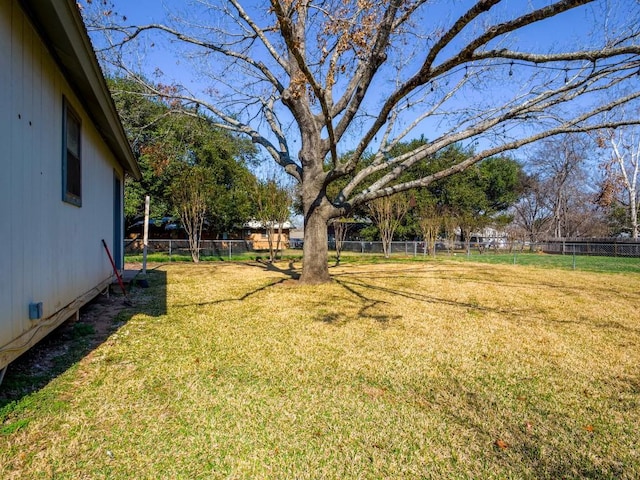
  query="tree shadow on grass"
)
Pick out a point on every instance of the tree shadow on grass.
point(290, 271)
point(352, 285)
point(75, 339)
point(369, 308)
point(358, 282)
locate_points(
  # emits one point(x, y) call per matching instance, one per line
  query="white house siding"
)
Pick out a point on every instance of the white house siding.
point(50, 251)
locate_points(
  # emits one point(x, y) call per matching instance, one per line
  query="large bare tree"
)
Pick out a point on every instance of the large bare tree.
point(531, 213)
point(560, 165)
point(311, 81)
point(622, 172)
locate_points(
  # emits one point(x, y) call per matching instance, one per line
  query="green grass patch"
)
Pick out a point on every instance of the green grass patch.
point(564, 262)
point(539, 260)
point(81, 330)
point(431, 370)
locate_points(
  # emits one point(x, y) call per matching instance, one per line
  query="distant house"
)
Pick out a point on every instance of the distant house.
point(296, 238)
point(257, 234)
point(63, 161)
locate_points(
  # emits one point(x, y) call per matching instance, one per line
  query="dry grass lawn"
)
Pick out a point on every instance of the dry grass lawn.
point(431, 370)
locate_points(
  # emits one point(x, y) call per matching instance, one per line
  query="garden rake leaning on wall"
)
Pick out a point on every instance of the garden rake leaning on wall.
point(115, 270)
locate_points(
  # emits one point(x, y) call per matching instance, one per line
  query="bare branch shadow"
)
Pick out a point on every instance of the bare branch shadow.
point(351, 281)
point(351, 285)
point(291, 271)
point(369, 305)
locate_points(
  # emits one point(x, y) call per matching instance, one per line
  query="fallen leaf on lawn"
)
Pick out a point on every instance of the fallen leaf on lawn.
point(589, 428)
point(501, 444)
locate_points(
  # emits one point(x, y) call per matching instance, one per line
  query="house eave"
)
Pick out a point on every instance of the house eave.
point(60, 24)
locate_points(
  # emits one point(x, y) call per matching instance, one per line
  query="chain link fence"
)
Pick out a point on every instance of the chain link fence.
point(601, 248)
point(418, 248)
point(405, 248)
point(208, 248)
point(230, 248)
point(605, 248)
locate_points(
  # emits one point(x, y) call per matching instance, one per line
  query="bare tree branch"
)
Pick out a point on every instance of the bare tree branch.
point(317, 84)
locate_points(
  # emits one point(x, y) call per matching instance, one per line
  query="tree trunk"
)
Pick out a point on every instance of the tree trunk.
point(466, 230)
point(386, 239)
point(316, 208)
point(194, 248)
point(633, 210)
point(278, 240)
point(270, 236)
point(315, 254)
point(340, 229)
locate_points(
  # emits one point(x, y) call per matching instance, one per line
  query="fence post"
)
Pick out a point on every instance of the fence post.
point(169, 251)
point(145, 235)
point(230, 250)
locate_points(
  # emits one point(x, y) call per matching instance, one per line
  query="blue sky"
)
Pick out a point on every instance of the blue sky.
point(570, 26)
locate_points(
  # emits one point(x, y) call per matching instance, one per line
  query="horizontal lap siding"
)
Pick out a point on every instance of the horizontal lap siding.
point(51, 251)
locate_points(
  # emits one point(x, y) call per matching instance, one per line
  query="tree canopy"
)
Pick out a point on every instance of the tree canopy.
point(620, 192)
point(474, 199)
point(176, 146)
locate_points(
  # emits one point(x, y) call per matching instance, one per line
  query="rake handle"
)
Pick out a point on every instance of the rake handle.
point(115, 270)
